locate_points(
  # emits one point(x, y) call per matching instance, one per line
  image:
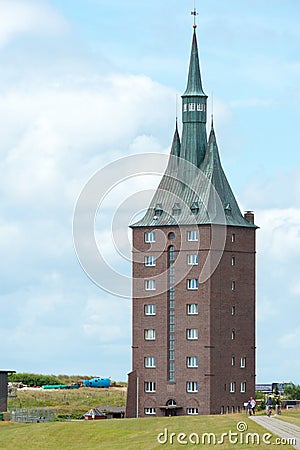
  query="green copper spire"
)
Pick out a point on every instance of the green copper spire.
point(194, 83)
point(194, 138)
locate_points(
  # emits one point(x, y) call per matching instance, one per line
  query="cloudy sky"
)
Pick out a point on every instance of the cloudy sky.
point(84, 83)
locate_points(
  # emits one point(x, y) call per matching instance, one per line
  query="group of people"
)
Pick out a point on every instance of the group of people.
point(269, 406)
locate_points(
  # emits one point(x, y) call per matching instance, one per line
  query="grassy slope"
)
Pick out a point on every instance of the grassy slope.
point(127, 434)
point(69, 401)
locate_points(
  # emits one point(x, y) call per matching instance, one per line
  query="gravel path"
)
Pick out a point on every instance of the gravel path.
point(280, 428)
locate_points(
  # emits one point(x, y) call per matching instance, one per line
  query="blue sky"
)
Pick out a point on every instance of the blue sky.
point(85, 82)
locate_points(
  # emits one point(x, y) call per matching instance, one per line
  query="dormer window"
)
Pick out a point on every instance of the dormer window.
point(200, 107)
point(195, 208)
point(227, 209)
point(158, 210)
point(176, 210)
point(192, 106)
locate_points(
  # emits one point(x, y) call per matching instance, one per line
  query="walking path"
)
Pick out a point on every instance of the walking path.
point(280, 428)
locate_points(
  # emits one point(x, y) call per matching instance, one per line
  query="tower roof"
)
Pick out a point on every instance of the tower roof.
point(194, 83)
point(194, 188)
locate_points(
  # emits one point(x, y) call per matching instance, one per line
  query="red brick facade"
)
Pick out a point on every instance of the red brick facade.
point(224, 350)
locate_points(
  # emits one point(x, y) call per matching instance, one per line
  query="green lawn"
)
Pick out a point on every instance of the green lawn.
point(127, 434)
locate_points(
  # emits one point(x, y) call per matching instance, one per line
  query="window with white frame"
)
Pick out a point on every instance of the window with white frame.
point(232, 386)
point(193, 259)
point(192, 361)
point(150, 236)
point(150, 285)
point(192, 386)
point(150, 261)
point(192, 284)
point(243, 386)
point(150, 334)
point(200, 107)
point(150, 386)
point(193, 235)
point(150, 411)
point(192, 309)
point(243, 362)
point(150, 310)
point(185, 107)
point(192, 411)
point(192, 334)
point(150, 362)
point(192, 106)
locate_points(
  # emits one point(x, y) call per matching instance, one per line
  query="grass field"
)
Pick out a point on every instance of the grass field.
point(129, 434)
point(70, 401)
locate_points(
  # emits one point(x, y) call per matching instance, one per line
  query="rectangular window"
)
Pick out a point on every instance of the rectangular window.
point(172, 355)
point(192, 361)
point(172, 327)
point(150, 411)
point(233, 261)
point(172, 320)
point(233, 286)
point(172, 366)
point(150, 335)
point(150, 310)
point(192, 334)
point(200, 107)
point(192, 386)
point(150, 261)
point(233, 360)
point(193, 235)
point(150, 386)
point(150, 362)
point(233, 238)
point(192, 309)
point(233, 310)
point(193, 260)
point(243, 362)
point(192, 411)
point(192, 284)
point(171, 345)
point(233, 335)
point(185, 107)
point(243, 386)
point(150, 236)
point(232, 386)
point(192, 106)
point(150, 285)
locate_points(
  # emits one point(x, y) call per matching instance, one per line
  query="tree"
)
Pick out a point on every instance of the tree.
point(292, 391)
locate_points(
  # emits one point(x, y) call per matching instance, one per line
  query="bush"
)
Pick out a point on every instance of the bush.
point(32, 379)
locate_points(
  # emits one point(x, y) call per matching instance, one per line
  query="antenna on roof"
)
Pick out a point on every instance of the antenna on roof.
point(195, 14)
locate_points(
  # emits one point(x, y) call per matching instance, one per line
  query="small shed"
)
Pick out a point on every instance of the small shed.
point(94, 414)
point(4, 388)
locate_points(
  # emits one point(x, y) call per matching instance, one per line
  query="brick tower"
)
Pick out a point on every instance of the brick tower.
point(193, 330)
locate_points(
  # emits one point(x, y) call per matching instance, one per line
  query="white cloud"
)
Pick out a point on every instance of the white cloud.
point(25, 16)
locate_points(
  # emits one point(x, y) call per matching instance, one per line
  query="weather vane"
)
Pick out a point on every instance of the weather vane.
point(195, 14)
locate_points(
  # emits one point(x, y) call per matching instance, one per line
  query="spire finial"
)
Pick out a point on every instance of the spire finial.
point(212, 121)
point(195, 14)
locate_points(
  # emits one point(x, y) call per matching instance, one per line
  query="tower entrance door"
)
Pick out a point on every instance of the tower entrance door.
point(171, 408)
